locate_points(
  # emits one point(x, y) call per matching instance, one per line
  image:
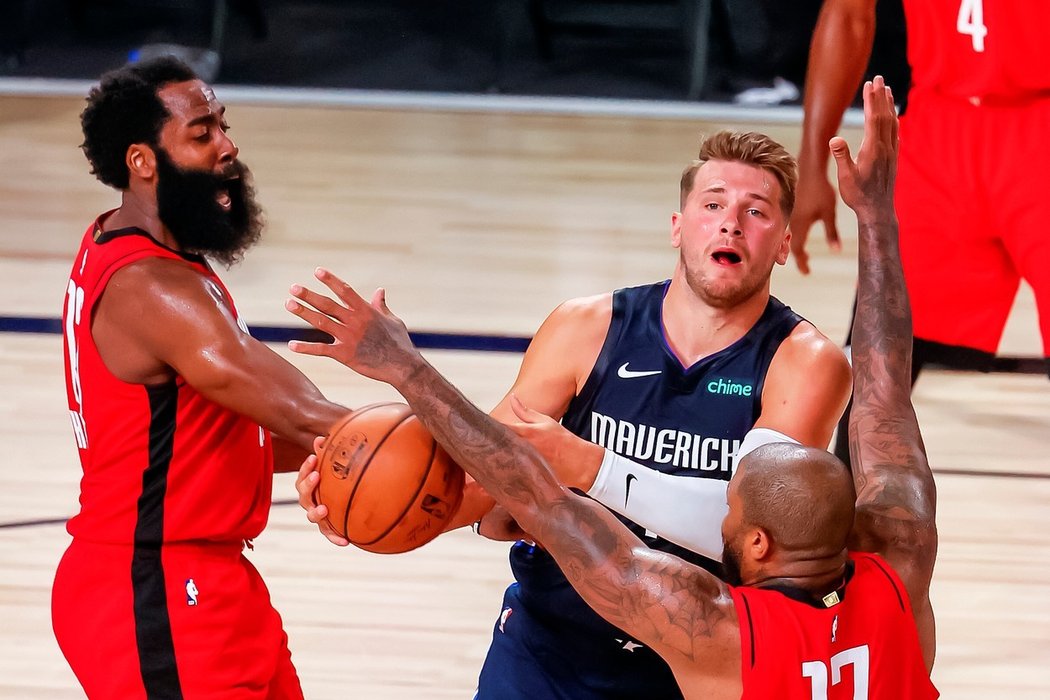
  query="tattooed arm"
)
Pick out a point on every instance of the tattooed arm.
point(684, 613)
point(896, 495)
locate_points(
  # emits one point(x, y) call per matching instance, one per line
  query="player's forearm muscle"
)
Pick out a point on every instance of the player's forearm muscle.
point(895, 489)
point(655, 597)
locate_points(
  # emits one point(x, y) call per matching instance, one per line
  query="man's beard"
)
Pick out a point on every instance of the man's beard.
point(731, 566)
point(188, 206)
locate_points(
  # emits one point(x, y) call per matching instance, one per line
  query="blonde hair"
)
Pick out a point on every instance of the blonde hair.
point(750, 148)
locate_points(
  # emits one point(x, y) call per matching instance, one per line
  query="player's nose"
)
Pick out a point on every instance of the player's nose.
point(228, 150)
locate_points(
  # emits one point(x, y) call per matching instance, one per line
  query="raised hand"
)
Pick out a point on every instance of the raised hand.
point(367, 337)
point(866, 185)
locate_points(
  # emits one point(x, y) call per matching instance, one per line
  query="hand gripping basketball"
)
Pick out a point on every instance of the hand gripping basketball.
point(387, 485)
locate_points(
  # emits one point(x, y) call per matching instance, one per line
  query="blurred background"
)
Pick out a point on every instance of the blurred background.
point(748, 51)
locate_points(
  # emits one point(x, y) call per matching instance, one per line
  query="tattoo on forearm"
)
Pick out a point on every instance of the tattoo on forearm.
point(652, 595)
point(889, 461)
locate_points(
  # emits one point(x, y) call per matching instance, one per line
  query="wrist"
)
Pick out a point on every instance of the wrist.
point(589, 459)
point(408, 371)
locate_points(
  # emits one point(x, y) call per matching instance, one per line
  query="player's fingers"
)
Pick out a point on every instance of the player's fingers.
point(523, 412)
point(336, 539)
point(831, 231)
point(798, 250)
point(317, 514)
point(870, 132)
point(320, 321)
point(896, 119)
point(302, 347)
point(322, 303)
point(883, 109)
point(341, 289)
point(306, 484)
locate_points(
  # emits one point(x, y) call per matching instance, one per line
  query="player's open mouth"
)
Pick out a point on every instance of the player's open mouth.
point(223, 195)
point(725, 256)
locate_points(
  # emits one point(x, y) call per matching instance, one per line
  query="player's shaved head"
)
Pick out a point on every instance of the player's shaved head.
point(802, 496)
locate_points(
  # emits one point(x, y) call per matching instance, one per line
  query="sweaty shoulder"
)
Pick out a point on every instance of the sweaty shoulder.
point(147, 309)
point(808, 346)
point(574, 333)
point(584, 315)
point(560, 356)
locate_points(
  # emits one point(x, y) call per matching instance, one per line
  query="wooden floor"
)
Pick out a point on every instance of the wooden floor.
point(475, 223)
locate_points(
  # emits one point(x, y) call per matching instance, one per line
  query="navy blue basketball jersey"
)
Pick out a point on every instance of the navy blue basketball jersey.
point(640, 402)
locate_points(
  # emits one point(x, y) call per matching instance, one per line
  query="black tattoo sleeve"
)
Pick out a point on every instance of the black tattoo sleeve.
point(896, 494)
point(657, 598)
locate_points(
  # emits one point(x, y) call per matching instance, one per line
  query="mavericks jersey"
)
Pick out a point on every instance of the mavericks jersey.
point(161, 463)
point(979, 49)
point(688, 421)
point(864, 646)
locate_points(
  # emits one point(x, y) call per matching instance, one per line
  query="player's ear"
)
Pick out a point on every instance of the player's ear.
point(785, 247)
point(141, 161)
point(676, 229)
point(759, 544)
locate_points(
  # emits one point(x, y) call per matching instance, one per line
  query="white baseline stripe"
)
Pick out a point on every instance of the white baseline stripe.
point(455, 102)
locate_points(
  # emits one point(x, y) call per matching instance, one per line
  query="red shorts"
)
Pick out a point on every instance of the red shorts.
point(188, 621)
point(971, 192)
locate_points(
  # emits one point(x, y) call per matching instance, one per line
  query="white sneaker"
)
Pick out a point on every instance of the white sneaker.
point(782, 91)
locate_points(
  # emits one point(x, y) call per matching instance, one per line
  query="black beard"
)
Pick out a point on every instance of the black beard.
point(188, 207)
point(731, 566)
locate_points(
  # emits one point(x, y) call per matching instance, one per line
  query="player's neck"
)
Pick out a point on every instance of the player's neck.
point(695, 329)
point(140, 212)
point(817, 576)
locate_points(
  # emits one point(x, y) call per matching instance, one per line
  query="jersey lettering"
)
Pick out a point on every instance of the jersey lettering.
point(74, 309)
point(971, 22)
point(663, 446)
point(817, 673)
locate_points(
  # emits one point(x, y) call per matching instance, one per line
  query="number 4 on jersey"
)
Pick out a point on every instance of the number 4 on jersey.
point(971, 22)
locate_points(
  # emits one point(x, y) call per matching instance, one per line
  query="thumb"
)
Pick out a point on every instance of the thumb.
point(840, 152)
point(379, 300)
point(523, 412)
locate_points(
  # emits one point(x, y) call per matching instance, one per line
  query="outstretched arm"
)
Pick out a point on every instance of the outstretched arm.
point(896, 494)
point(681, 611)
point(838, 55)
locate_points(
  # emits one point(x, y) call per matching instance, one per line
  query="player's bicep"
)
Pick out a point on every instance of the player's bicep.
point(181, 319)
point(559, 358)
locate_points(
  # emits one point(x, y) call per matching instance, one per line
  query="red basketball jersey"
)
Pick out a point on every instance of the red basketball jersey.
point(866, 646)
point(161, 463)
point(983, 49)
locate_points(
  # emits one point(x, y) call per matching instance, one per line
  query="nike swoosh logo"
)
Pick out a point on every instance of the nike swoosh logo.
point(624, 373)
point(627, 491)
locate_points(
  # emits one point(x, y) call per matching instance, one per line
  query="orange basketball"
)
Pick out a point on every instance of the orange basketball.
point(388, 485)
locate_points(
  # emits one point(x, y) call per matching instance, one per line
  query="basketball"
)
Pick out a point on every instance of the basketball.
point(388, 485)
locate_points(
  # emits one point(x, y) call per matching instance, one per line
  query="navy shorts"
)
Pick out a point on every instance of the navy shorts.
point(534, 658)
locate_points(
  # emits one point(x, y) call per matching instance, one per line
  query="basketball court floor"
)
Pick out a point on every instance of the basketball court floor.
point(478, 220)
